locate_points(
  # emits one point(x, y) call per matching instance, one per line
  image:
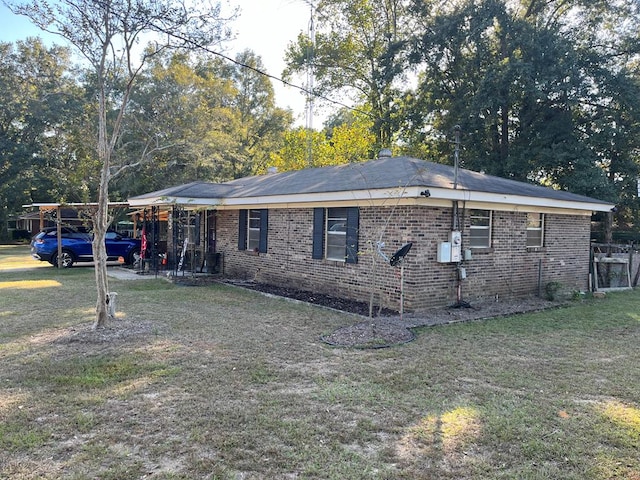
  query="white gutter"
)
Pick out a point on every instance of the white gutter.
point(388, 196)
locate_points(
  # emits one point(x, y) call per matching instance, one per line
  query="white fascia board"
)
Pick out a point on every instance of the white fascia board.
point(522, 200)
point(182, 201)
point(41, 205)
point(76, 204)
point(353, 197)
point(411, 195)
point(387, 196)
point(144, 202)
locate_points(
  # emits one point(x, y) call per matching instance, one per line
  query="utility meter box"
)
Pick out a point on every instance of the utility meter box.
point(444, 252)
point(456, 245)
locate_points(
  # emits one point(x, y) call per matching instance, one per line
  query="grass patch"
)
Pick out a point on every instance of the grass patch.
point(29, 284)
point(15, 438)
point(18, 257)
point(102, 371)
point(217, 382)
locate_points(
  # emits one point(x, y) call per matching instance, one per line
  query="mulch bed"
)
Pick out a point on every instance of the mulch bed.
point(388, 328)
point(328, 301)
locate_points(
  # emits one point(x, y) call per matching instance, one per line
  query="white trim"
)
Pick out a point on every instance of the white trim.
point(77, 204)
point(185, 202)
point(342, 235)
point(394, 196)
point(248, 245)
point(488, 229)
point(540, 229)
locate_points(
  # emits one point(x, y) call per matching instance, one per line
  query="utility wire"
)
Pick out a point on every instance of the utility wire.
point(195, 45)
point(304, 90)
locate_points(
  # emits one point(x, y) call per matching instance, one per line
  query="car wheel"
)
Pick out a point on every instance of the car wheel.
point(67, 259)
point(133, 256)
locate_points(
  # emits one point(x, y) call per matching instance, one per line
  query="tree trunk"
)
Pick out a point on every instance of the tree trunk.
point(101, 219)
point(372, 286)
point(4, 232)
point(102, 284)
point(608, 228)
point(100, 224)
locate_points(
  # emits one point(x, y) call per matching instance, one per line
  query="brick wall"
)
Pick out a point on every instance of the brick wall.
point(506, 270)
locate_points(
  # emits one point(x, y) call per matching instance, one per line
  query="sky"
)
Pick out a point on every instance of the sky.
point(264, 26)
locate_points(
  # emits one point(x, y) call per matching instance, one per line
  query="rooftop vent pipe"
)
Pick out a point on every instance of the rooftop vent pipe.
point(385, 153)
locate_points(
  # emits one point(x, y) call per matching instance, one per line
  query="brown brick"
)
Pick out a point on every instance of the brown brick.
point(507, 270)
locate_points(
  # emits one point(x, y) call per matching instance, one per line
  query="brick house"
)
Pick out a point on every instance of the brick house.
point(329, 230)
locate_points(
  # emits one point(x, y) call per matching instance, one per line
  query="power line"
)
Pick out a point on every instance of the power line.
point(307, 91)
point(195, 45)
point(304, 90)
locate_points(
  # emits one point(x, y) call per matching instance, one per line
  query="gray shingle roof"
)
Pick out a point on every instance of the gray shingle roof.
point(383, 173)
point(188, 190)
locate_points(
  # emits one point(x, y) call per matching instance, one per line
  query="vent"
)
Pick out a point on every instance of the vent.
point(385, 153)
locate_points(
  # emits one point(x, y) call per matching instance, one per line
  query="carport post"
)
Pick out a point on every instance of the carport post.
point(59, 235)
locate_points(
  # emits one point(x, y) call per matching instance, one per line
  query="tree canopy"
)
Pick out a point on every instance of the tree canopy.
point(107, 34)
point(40, 125)
point(545, 91)
point(359, 51)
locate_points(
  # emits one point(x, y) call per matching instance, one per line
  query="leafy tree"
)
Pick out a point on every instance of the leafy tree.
point(261, 123)
point(39, 120)
point(177, 122)
point(525, 82)
point(107, 34)
point(197, 118)
point(343, 142)
point(358, 51)
point(300, 144)
point(351, 138)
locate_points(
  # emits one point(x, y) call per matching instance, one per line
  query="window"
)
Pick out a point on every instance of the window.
point(480, 228)
point(535, 229)
point(252, 230)
point(335, 234)
point(253, 227)
point(336, 230)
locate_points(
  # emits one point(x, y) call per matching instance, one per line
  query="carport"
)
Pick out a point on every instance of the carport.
point(57, 213)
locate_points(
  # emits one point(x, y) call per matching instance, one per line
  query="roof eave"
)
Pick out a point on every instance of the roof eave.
point(182, 201)
point(416, 192)
point(523, 200)
point(378, 197)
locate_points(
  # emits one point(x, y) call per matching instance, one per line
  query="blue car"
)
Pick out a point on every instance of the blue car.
point(76, 247)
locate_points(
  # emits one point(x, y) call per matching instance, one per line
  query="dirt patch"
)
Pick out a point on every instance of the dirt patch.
point(118, 330)
point(378, 333)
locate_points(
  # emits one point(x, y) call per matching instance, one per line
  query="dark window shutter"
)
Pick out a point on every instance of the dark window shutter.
point(318, 234)
point(353, 220)
point(242, 229)
point(264, 229)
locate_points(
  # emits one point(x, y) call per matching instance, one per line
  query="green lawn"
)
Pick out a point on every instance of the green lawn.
point(18, 257)
point(221, 383)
